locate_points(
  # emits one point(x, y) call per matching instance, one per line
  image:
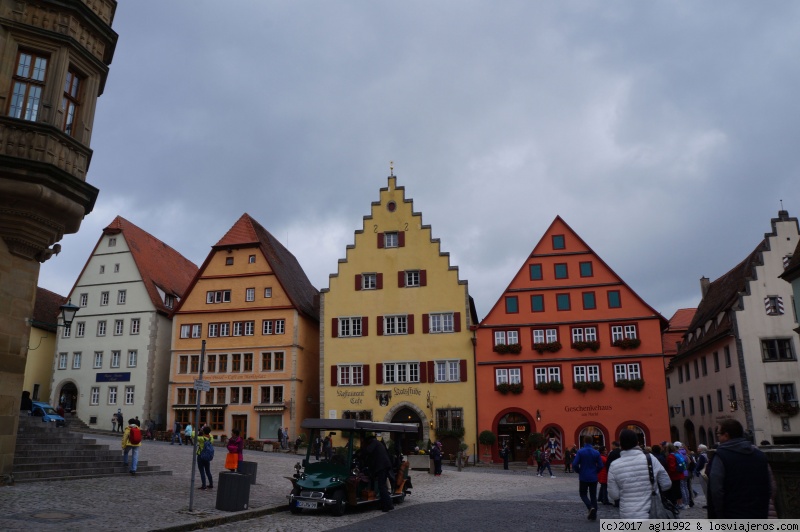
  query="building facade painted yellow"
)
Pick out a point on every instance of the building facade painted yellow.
point(396, 343)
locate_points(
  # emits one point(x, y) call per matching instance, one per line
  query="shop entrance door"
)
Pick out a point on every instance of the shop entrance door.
point(240, 422)
point(513, 429)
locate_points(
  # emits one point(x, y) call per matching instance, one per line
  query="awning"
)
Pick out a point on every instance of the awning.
point(271, 408)
point(202, 407)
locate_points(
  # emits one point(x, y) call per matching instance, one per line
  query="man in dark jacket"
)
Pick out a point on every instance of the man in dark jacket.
point(739, 484)
point(379, 464)
point(587, 464)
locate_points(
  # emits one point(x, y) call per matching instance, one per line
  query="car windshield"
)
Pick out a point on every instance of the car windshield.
point(50, 411)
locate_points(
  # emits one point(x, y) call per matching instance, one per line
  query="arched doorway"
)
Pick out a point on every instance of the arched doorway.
point(702, 433)
point(513, 430)
point(598, 438)
point(640, 434)
point(673, 433)
point(407, 415)
point(68, 397)
point(690, 438)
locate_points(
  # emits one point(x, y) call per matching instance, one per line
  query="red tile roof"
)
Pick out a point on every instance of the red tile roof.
point(678, 325)
point(160, 266)
point(47, 308)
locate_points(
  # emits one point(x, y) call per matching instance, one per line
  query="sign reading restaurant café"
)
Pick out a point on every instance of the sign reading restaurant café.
point(357, 397)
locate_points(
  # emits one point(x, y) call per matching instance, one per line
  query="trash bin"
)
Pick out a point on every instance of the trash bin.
point(248, 468)
point(233, 492)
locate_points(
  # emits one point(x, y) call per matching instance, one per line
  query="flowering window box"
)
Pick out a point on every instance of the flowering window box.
point(551, 347)
point(627, 343)
point(552, 386)
point(585, 386)
point(630, 384)
point(505, 388)
point(513, 349)
point(784, 409)
point(580, 346)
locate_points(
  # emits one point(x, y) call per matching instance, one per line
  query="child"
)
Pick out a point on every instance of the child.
point(235, 451)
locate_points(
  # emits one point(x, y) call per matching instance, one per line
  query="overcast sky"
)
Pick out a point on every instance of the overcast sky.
point(664, 133)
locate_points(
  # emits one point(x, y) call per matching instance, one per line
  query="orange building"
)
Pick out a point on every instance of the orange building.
point(569, 350)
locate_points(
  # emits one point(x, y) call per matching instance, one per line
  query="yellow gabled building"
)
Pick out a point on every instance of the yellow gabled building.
point(258, 313)
point(395, 328)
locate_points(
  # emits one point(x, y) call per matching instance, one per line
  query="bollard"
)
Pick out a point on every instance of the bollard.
point(248, 468)
point(233, 492)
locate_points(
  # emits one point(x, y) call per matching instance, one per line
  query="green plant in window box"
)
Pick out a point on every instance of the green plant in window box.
point(551, 347)
point(504, 388)
point(455, 433)
point(552, 386)
point(580, 346)
point(501, 349)
point(630, 384)
point(515, 388)
point(515, 349)
point(585, 386)
point(627, 343)
point(783, 409)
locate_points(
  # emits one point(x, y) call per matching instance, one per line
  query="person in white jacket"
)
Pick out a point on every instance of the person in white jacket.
point(629, 479)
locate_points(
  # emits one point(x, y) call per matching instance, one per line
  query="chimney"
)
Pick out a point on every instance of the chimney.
point(704, 284)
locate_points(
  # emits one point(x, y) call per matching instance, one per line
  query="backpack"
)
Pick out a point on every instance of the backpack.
point(680, 462)
point(207, 453)
point(135, 436)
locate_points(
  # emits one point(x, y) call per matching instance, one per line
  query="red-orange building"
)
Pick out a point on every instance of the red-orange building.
point(569, 350)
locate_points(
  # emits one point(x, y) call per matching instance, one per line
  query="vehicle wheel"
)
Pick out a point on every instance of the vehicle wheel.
point(338, 508)
point(293, 508)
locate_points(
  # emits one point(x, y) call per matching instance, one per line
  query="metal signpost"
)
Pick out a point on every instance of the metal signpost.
point(204, 386)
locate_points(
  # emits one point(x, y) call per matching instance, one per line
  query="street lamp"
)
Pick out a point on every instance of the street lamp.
point(68, 311)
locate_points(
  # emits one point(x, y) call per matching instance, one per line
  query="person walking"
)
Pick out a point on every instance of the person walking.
point(613, 455)
point(285, 436)
point(188, 434)
point(544, 461)
point(235, 450)
point(177, 434)
point(280, 438)
point(207, 481)
point(587, 464)
point(675, 475)
point(602, 478)
point(504, 452)
point(436, 456)
point(683, 464)
point(378, 464)
point(120, 420)
point(131, 442)
point(700, 475)
point(629, 478)
point(739, 485)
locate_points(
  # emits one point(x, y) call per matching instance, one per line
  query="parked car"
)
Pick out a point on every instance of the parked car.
point(47, 413)
point(341, 480)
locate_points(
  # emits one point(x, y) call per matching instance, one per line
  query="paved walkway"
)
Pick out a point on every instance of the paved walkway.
point(162, 502)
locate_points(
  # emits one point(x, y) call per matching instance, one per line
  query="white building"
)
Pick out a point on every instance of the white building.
point(116, 354)
point(739, 355)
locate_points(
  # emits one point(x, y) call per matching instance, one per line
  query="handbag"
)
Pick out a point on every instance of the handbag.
point(660, 506)
point(232, 461)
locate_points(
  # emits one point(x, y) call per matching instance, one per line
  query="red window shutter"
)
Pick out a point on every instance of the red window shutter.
point(401, 279)
point(364, 326)
point(462, 369)
point(431, 371)
point(334, 375)
point(457, 321)
point(401, 239)
point(378, 373)
point(380, 240)
point(334, 327)
point(358, 281)
point(423, 372)
point(426, 326)
point(379, 281)
point(423, 277)
point(380, 325)
point(366, 374)
point(410, 322)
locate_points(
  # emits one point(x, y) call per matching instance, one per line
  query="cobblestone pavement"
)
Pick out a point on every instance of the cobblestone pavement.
point(162, 502)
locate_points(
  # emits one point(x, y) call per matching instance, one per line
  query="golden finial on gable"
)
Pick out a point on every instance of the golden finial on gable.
point(391, 168)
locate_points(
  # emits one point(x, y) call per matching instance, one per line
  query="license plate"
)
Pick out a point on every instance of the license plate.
point(306, 504)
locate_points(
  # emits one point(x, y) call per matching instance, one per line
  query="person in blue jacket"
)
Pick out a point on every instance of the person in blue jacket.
point(587, 464)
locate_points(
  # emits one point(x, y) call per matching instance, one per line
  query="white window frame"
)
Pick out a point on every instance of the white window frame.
point(101, 328)
point(250, 294)
point(400, 372)
point(448, 371)
point(135, 325)
point(115, 358)
point(225, 329)
point(83, 300)
point(547, 374)
point(514, 375)
point(541, 336)
point(76, 360)
point(500, 376)
point(441, 323)
point(62, 360)
point(119, 327)
point(133, 355)
point(80, 329)
point(350, 374)
point(67, 332)
point(129, 394)
point(577, 335)
point(238, 328)
point(506, 337)
point(628, 371)
point(391, 239)
point(104, 297)
point(249, 328)
point(186, 330)
point(369, 281)
point(590, 333)
point(617, 333)
point(112, 395)
point(395, 325)
point(267, 327)
point(588, 373)
point(122, 296)
point(630, 332)
point(94, 396)
point(268, 292)
point(280, 326)
point(412, 278)
point(98, 359)
point(350, 327)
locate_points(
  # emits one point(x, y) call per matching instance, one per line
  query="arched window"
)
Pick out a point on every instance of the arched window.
point(597, 436)
point(639, 434)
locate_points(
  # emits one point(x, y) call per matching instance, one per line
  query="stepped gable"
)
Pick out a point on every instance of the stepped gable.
point(247, 232)
point(722, 295)
point(47, 308)
point(792, 270)
point(159, 265)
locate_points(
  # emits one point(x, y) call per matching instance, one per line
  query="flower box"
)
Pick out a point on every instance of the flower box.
point(630, 384)
point(552, 386)
point(783, 409)
point(505, 388)
point(580, 346)
point(551, 347)
point(585, 386)
point(627, 343)
point(503, 349)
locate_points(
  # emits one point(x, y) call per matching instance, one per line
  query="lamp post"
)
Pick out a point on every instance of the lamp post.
point(68, 311)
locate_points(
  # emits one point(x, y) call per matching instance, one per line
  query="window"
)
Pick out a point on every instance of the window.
point(29, 78)
point(507, 376)
point(537, 303)
point(218, 296)
point(194, 363)
point(369, 281)
point(696, 369)
point(702, 405)
point(223, 363)
point(350, 374)
point(211, 364)
point(235, 395)
point(236, 362)
point(412, 278)
point(773, 349)
point(76, 360)
point(69, 103)
point(129, 395)
point(268, 292)
point(627, 371)
point(251, 259)
point(169, 300)
point(115, 357)
point(506, 337)
point(249, 328)
point(630, 332)
point(228, 261)
point(62, 361)
point(272, 361)
point(122, 295)
point(395, 325)
point(135, 326)
point(781, 393)
point(562, 302)
point(441, 323)
point(708, 403)
point(586, 269)
point(250, 294)
point(614, 299)
point(238, 328)
point(98, 359)
point(558, 242)
point(95, 396)
point(691, 406)
point(773, 305)
point(590, 373)
point(132, 354)
point(84, 300)
point(80, 329)
point(247, 397)
point(349, 327)
point(247, 362)
point(67, 332)
point(102, 266)
point(101, 328)
point(186, 330)
point(589, 302)
point(390, 240)
point(727, 351)
point(680, 374)
point(512, 305)
point(116, 268)
point(448, 371)
point(547, 374)
point(271, 394)
point(224, 329)
point(561, 271)
point(535, 272)
point(541, 336)
point(400, 372)
point(449, 419)
point(183, 366)
point(616, 333)
point(119, 327)
point(266, 327)
point(719, 400)
point(716, 361)
point(112, 395)
point(103, 298)
point(584, 334)
point(704, 366)
point(280, 326)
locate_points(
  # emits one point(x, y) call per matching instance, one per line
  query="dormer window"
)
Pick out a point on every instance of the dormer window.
point(169, 300)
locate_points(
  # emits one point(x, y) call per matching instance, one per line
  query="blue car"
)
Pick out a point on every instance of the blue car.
point(47, 413)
